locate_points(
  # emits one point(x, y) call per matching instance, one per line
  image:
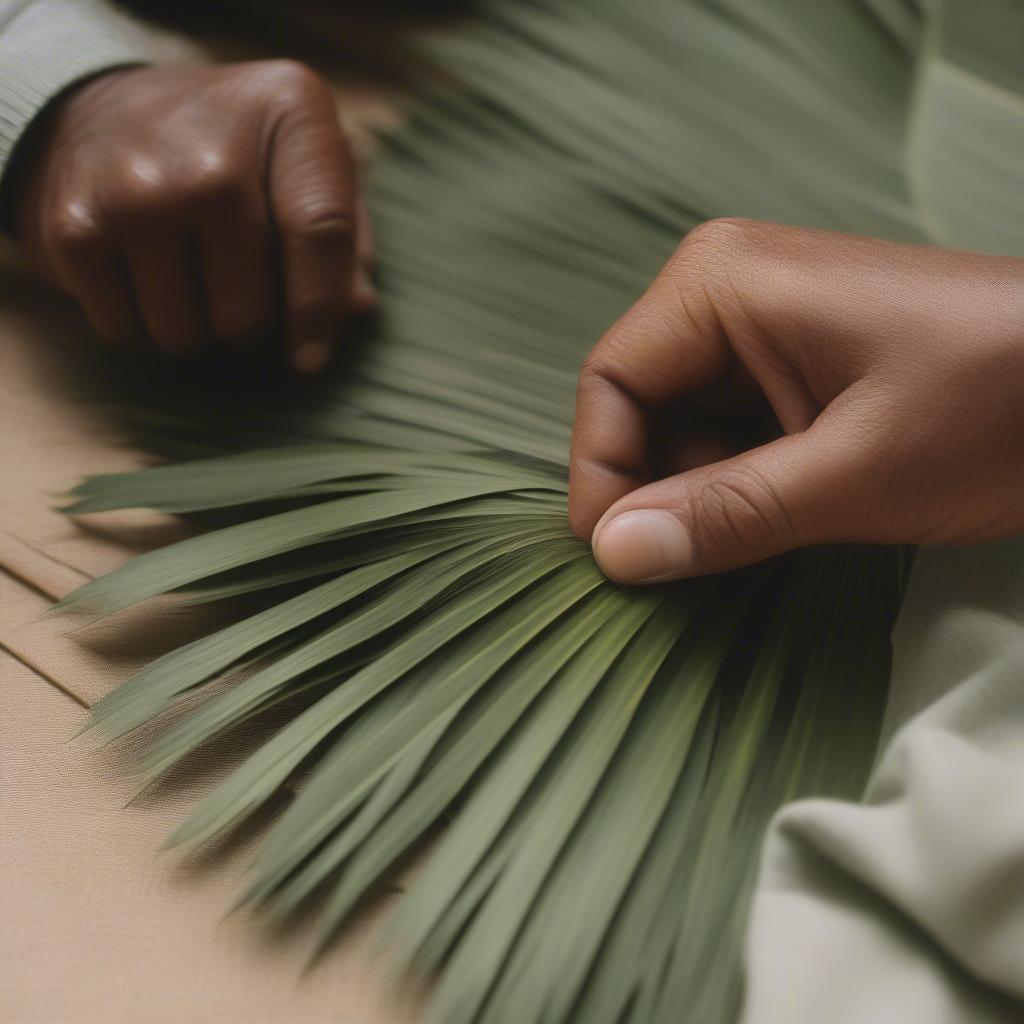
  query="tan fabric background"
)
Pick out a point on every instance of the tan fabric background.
point(97, 924)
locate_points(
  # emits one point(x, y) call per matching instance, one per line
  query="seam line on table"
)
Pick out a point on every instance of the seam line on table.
point(14, 552)
point(28, 662)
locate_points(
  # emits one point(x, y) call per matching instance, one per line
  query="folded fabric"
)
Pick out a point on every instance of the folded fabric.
point(910, 906)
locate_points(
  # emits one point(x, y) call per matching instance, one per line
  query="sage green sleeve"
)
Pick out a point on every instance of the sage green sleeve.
point(47, 45)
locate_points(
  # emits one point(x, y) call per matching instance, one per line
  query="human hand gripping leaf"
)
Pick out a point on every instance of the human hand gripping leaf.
point(194, 206)
point(896, 373)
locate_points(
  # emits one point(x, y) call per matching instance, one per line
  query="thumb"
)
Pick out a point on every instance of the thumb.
point(804, 489)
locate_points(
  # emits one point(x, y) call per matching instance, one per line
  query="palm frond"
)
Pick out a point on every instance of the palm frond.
point(605, 761)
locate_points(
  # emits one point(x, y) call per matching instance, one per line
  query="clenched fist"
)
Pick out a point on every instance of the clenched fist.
point(200, 205)
point(896, 373)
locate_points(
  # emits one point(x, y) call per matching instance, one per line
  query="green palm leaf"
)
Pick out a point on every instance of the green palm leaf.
point(606, 761)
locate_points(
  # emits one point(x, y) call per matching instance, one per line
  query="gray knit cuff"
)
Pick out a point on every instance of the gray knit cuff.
point(47, 46)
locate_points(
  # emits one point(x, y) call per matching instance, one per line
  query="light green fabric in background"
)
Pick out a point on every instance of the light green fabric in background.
point(910, 907)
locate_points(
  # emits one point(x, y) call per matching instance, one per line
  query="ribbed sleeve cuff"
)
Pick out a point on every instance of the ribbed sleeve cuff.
point(49, 45)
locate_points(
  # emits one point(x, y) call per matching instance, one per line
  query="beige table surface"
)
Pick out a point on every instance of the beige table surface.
point(97, 924)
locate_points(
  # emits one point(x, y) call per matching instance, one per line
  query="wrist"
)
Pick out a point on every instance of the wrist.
point(23, 176)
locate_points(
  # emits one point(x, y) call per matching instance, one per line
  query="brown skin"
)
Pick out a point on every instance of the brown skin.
point(191, 206)
point(202, 205)
point(896, 373)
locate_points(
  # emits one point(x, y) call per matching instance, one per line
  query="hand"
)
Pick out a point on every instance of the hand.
point(895, 371)
point(200, 204)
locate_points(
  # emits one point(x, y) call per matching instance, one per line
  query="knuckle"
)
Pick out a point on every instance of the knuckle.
point(713, 264)
point(211, 180)
point(716, 247)
point(602, 370)
point(290, 80)
point(592, 385)
point(74, 230)
point(723, 235)
point(140, 190)
point(740, 506)
point(592, 373)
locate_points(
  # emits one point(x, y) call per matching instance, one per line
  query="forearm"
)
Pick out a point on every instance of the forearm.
point(47, 45)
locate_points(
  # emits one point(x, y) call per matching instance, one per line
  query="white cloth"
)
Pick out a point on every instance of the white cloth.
point(909, 907)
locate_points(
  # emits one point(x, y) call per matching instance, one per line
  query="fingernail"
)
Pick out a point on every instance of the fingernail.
point(311, 356)
point(643, 546)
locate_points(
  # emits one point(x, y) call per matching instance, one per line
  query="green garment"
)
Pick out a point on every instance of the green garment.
point(909, 907)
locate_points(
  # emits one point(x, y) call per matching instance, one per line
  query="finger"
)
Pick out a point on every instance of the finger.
point(808, 488)
point(655, 353)
point(312, 202)
point(236, 260)
point(165, 275)
point(89, 265)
